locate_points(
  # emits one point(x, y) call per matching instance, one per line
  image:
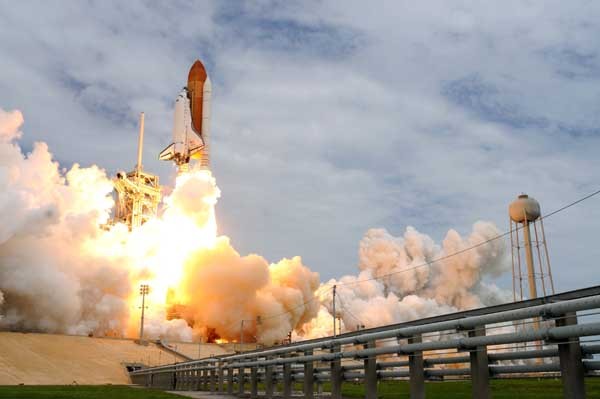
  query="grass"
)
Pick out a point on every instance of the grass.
point(81, 392)
point(501, 389)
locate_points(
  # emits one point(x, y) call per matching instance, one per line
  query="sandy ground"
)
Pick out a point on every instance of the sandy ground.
point(63, 359)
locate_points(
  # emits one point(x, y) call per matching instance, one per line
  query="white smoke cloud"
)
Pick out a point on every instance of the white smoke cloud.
point(410, 277)
point(48, 279)
point(60, 271)
point(10, 123)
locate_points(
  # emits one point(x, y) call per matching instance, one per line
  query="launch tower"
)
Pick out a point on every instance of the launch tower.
point(137, 192)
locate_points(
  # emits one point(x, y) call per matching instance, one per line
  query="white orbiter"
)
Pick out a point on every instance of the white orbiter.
point(191, 127)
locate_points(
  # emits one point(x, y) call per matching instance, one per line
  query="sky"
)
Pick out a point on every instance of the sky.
point(331, 118)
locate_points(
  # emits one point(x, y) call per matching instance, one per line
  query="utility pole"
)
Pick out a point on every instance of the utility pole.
point(334, 314)
point(144, 290)
point(242, 336)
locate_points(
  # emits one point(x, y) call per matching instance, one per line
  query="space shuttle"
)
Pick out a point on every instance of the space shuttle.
point(191, 126)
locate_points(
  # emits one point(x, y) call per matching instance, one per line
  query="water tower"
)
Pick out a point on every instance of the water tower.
point(524, 213)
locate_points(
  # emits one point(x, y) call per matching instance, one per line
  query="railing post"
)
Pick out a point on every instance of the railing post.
point(416, 370)
point(571, 365)
point(230, 380)
point(337, 375)
point(269, 380)
point(213, 377)
point(221, 374)
point(254, 382)
point(205, 378)
point(287, 380)
point(480, 372)
point(308, 376)
point(197, 379)
point(370, 373)
point(241, 380)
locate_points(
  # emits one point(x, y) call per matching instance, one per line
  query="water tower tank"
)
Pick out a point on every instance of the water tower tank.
point(524, 207)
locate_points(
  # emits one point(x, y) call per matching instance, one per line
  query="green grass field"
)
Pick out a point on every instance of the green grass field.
point(81, 391)
point(501, 389)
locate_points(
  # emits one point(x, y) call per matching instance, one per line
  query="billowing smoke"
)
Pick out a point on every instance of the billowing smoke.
point(224, 288)
point(63, 269)
point(410, 277)
point(60, 271)
point(48, 278)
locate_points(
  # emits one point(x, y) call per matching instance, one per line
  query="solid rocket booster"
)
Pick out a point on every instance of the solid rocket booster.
point(191, 127)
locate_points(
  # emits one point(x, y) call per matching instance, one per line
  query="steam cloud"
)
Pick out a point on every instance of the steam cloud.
point(48, 280)
point(60, 271)
point(418, 279)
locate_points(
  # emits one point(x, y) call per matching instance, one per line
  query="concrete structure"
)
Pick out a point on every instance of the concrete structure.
point(29, 358)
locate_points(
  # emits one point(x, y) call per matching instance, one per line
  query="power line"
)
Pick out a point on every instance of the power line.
point(571, 204)
point(428, 263)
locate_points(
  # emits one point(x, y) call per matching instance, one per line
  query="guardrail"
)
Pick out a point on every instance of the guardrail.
point(534, 337)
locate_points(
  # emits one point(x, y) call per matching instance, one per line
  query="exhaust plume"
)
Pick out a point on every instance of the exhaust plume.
point(63, 269)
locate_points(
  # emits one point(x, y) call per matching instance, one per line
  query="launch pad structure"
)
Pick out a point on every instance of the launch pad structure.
point(137, 192)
